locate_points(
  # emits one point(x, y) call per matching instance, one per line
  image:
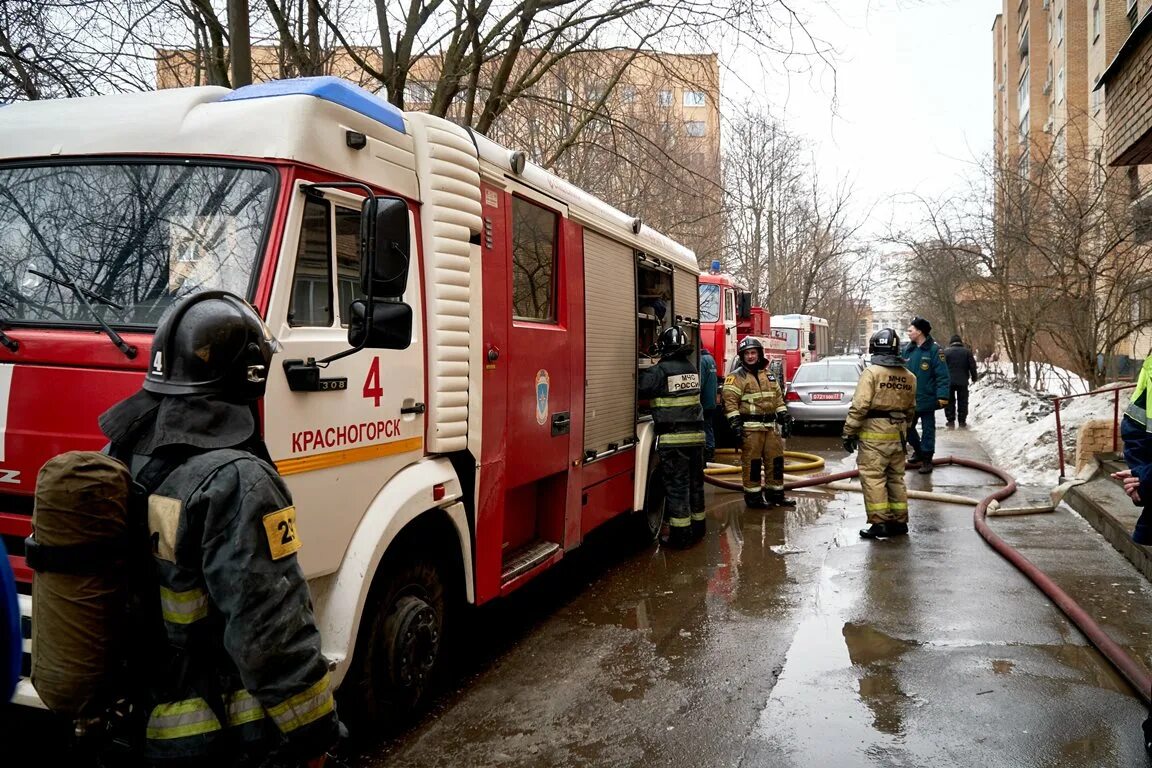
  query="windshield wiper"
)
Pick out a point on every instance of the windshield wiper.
point(7, 341)
point(68, 282)
point(90, 294)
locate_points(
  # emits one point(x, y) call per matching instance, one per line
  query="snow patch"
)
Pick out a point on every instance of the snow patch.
point(1018, 428)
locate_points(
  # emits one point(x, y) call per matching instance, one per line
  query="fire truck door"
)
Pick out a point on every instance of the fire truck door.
point(539, 413)
point(337, 446)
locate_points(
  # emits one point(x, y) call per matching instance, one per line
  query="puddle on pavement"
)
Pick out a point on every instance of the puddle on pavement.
point(839, 677)
point(1003, 666)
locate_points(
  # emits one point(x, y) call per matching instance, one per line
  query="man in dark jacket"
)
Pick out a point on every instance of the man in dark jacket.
point(247, 685)
point(961, 368)
point(672, 388)
point(709, 384)
point(925, 359)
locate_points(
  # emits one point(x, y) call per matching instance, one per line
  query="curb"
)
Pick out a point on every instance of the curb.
point(1103, 504)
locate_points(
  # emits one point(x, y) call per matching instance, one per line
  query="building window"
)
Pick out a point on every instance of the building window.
point(1022, 95)
point(695, 128)
point(694, 98)
point(1096, 21)
point(628, 94)
point(1060, 28)
point(1060, 86)
point(664, 97)
point(533, 261)
point(418, 93)
point(1133, 14)
point(1097, 99)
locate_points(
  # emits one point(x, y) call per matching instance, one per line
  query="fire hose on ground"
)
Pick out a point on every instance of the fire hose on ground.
point(1132, 671)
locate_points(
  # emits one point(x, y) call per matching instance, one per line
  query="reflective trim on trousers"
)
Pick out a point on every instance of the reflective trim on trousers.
point(881, 507)
point(681, 438)
point(679, 522)
point(698, 517)
point(757, 489)
point(185, 607)
point(303, 708)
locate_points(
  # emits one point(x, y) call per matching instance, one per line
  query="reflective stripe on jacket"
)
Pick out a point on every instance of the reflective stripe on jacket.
point(885, 389)
point(753, 393)
point(236, 603)
point(672, 388)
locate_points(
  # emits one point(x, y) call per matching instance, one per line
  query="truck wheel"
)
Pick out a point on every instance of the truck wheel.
point(649, 519)
point(402, 652)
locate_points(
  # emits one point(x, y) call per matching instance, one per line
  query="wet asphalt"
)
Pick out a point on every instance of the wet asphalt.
point(783, 639)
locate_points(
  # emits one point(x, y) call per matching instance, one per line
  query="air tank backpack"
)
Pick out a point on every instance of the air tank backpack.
point(97, 633)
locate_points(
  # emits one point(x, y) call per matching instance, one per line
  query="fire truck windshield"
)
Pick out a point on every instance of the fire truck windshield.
point(132, 236)
point(709, 302)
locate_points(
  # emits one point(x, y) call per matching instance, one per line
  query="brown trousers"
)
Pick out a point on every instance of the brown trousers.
point(762, 447)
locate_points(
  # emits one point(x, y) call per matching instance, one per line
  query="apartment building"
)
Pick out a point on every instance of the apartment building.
point(1053, 113)
point(649, 139)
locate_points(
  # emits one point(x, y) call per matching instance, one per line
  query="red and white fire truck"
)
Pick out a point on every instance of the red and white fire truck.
point(805, 339)
point(727, 315)
point(454, 406)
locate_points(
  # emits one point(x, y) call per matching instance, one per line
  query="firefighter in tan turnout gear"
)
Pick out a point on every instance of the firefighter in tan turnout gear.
point(882, 409)
point(757, 415)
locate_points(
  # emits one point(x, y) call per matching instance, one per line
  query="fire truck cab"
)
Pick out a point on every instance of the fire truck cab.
point(805, 339)
point(454, 402)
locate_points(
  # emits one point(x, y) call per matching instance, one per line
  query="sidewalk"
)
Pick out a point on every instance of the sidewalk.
point(1084, 545)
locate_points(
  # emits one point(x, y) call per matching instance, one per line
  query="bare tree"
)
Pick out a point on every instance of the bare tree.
point(793, 242)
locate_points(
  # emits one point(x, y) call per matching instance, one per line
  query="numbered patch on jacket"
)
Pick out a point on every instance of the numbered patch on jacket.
point(163, 522)
point(683, 382)
point(280, 528)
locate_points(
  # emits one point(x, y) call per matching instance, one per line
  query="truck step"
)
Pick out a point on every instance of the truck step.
point(526, 558)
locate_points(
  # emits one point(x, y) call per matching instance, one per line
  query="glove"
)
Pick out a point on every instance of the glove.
point(737, 427)
point(785, 422)
point(941, 404)
point(850, 443)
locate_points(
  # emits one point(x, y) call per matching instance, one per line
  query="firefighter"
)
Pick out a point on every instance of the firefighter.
point(248, 684)
point(881, 412)
point(755, 409)
point(672, 388)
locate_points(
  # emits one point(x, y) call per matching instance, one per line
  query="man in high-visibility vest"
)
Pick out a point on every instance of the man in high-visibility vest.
point(672, 388)
point(1137, 479)
point(1137, 435)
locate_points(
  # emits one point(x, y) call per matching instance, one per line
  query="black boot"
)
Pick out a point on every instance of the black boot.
point(755, 500)
point(676, 536)
point(926, 464)
point(896, 529)
point(699, 528)
point(777, 499)
point(875, 531)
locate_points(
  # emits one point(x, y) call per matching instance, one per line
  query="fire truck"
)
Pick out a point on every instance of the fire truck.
point(804, 337)
point(727, 316)
point(453, 405)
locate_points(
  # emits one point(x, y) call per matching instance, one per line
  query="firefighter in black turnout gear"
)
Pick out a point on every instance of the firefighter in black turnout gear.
point(755, 409)
point(672, 388)
point(246, 684)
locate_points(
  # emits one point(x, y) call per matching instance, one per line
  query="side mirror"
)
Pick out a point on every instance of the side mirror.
point(384, 247)
point(811, 341)
point(744, 305)
point(390, 326)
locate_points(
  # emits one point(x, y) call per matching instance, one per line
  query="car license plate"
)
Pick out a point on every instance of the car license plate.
point(826, 395)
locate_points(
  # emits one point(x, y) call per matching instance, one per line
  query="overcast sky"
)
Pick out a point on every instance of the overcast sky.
point(913, 96)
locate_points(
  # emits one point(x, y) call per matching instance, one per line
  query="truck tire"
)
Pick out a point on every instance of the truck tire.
point(649, 519)
point(401, 650)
